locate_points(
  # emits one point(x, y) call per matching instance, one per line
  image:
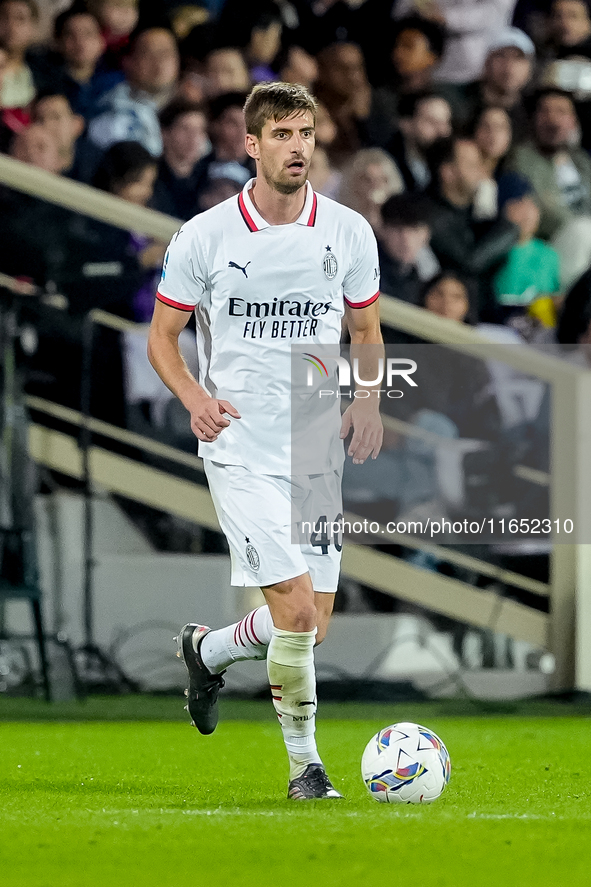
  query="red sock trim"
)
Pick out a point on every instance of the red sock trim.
point(253, 632)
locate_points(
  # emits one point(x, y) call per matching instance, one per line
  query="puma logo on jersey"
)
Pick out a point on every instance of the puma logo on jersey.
point(239, 267)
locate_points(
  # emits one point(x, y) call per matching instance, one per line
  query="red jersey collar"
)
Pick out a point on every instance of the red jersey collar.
point(255, 222)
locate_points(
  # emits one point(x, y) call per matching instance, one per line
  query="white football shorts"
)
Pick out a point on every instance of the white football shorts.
point(265, 519)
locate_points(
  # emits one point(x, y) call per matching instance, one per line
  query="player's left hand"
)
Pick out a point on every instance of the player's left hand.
point(363, 416)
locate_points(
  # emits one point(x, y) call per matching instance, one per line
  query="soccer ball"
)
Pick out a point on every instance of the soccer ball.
point(405, 764)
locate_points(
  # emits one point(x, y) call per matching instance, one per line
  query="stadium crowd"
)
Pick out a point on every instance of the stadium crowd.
point(485, 121)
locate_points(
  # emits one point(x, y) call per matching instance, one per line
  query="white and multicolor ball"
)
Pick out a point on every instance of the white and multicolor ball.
point(405, 764)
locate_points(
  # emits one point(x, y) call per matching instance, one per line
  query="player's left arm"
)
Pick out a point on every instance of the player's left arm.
point(363, 416)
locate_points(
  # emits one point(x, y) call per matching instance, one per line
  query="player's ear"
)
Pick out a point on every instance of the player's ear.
point(252, 146)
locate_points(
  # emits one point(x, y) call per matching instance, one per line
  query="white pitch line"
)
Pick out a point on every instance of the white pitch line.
point(219, 811)
point(400, 812)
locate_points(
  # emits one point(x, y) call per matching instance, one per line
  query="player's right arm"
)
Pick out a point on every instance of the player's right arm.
point(207, 413)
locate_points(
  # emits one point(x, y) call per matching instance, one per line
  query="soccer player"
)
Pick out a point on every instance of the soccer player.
point(276, 266)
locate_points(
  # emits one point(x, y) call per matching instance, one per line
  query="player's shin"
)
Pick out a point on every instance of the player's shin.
point(290, 667)
point(247, 639)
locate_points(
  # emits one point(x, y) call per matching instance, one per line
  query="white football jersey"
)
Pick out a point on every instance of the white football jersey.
point(256, 290)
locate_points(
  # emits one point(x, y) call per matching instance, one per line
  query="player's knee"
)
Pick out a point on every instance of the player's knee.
point(305, 618)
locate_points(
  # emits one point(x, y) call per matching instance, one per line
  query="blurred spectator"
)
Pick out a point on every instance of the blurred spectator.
point(256, 28)
point(469, 25)
point(454, 399)
point(570, 28)
point(227, 132)
point(264, 44)
point(461, 242)
point(423, 118)
point(26, 71)
point(531, 270)
point(181, 170)
point(417, 47)
point(32, 230)
point(118, 18)
point(79, 158)
point(129, 111)
point(18, 32)
point(322, 175)
point(50, 243)
point(129, 171)
point(448, 296)
point(38, 146)
point(48, 12)
point(296, 65)
point(223, 182)
point(312, 25)
point(362, 117)
point(237, 19)
point(184, 18)
point(191, 84)
point(11, 119)
point(326, 131)
point(224, 70)
point(507, 71)
point(460, 386)
point(404, 235)
point(559, 171)
point(493, 134)
point(81, 45)
point(532, 17)
point(368, 180)
point(569, 53)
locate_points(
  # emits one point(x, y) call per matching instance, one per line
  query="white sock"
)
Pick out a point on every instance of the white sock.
point(247, 639)
point(290, 666)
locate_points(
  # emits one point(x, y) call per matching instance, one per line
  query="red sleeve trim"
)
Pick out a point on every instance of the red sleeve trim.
point(174, 304)
point(362, 304)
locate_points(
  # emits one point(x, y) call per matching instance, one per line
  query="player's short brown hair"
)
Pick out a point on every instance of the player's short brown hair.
point(276, 101)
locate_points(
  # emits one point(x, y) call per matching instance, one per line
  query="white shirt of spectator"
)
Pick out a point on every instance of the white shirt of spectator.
point(127, 116)
point(256, 290)
point(570, 183)
point(469, 24)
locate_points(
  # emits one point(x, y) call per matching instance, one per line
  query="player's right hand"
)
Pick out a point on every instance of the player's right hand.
point(208, 421)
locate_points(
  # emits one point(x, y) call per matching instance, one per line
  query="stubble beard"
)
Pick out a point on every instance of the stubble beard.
point(283, 187)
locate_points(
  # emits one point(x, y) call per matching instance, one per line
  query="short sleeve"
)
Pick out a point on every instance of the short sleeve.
point(361, 285)
point(183, 279)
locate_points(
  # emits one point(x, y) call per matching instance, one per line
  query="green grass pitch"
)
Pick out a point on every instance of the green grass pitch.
point(89, 798)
